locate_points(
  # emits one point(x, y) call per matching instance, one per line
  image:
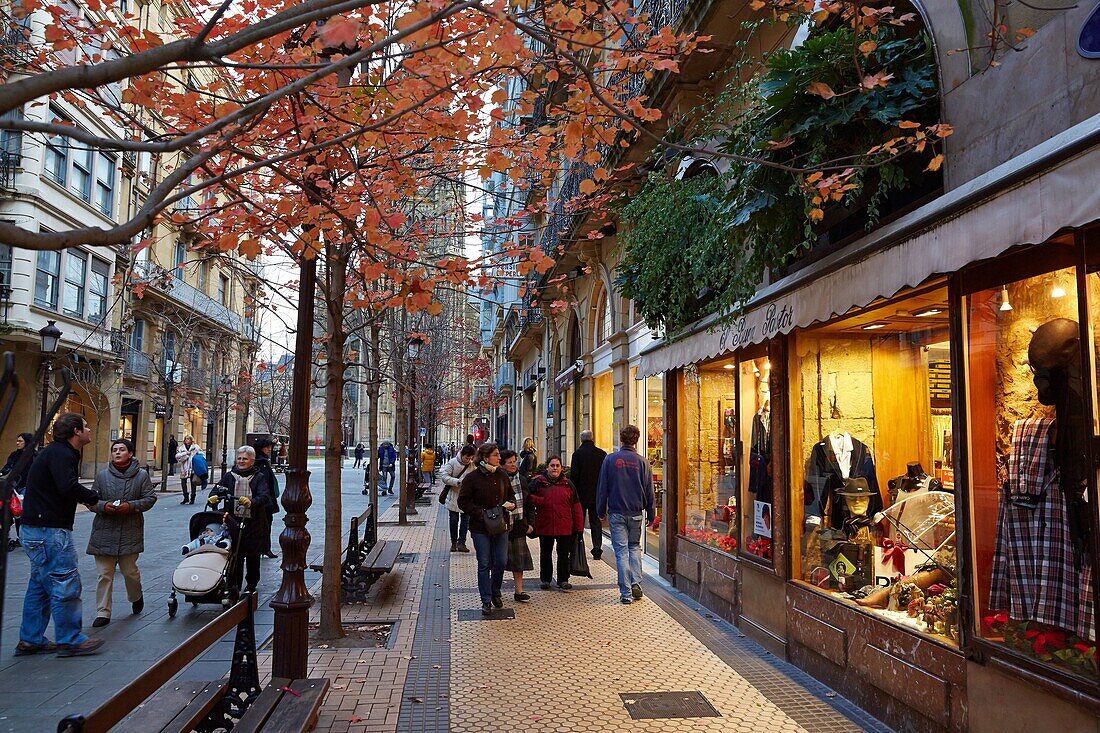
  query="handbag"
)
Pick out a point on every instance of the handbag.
point(443, 494)
point(578, 560)
point(495, 522)
point(16, 505)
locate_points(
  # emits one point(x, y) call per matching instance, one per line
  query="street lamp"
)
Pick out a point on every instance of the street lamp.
point(409, 500)
point(227, 388)
point(51, 337)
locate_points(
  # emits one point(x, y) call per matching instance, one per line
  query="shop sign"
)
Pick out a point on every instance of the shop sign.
point(759, 325)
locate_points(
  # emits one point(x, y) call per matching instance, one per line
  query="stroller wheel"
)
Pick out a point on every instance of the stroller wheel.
point(173, 606)
point(225, 603)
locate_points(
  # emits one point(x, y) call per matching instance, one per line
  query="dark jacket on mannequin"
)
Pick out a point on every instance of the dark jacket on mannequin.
point(824, 477)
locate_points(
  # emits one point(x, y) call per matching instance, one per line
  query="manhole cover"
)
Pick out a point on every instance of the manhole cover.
point(407, 557)
point(476, 615)
point(654, 705)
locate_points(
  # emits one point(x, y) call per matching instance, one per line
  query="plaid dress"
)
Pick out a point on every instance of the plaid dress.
point(1036, 576)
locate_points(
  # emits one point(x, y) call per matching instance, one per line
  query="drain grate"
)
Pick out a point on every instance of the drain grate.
point(497, 615)
point(408, 557)
point(657, 705)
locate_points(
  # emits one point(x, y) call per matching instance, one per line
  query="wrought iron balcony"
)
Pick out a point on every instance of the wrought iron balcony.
point(15, 39)
point(196, 378)
point(138, 364)
point(193, 298)
point(506, 377)
point(9, 161)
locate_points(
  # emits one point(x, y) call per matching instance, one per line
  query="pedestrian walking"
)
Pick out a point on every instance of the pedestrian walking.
point(23, 442)
point(519, 555)
point(201, 470)
point(360, 449)
point(188, 479)
point(173, 446)
point(452, 474)
point(584, 472)
point(528, 458)
point(257, 504)
point(264, 446)
point(118, 530)
point(624, 494)
point(427, 466)
point(53, 589)
point(387, 465)
point(485, 490)
point(557, 517)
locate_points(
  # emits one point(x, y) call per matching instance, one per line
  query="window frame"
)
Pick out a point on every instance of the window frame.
point(54, 281)
point(104, 189)
point(56, 149)
point(82, 175)
point(1070, 250)
point(80, 287)
point(98, 267)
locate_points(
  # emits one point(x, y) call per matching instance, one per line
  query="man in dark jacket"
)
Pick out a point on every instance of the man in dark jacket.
point(584, 472)
point(625, 496)
point(53, 491)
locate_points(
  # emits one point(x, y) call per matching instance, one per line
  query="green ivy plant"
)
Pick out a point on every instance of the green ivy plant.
point(693, 247)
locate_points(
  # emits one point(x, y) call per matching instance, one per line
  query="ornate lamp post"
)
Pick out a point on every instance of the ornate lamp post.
point(227, 388)
point(51, 337)
point(411, 474)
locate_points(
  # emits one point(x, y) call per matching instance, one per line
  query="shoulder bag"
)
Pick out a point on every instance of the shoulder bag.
point(497, 518)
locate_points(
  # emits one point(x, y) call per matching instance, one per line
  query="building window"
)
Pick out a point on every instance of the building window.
point(5, 272)
point(204, 270)
point(105, 184)
point(169, 344)
point(83, 165)
point(76, 273)
point(11, 141)
point(872, 502)
point(603, 321)
point(57, 154)
point(181, 258)
point(97, 291)
point(223, 290)
point(46, 276)
point(137, 336)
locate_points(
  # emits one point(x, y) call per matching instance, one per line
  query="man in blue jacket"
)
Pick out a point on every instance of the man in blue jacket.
point(624, 494)
point(53, 589)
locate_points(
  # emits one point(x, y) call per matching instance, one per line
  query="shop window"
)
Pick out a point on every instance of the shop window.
point(1029, 434)
point(708, 459)
point(872, 508)
point(654, 433)
point(755, 456)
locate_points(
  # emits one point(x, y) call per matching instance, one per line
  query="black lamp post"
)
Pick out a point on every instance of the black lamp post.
point(412, 474)
point(227, 388)
point(51, 338)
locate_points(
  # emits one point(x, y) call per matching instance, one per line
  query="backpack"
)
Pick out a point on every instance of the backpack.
point(198, 465)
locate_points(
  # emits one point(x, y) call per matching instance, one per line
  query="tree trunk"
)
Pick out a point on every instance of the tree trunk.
point(374, 384)
point(402, 434)
point(335, 284)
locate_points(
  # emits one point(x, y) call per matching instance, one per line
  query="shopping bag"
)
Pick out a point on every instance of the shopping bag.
point(578, 561)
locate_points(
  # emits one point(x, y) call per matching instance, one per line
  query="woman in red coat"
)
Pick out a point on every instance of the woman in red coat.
point(557, 517)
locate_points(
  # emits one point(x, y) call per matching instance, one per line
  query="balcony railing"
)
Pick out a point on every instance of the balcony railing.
point(560, 220)
point(9, 161)
point(193, 298)
point(138, 364)
point(196, 378)
point(506, 377)
point(15, 39)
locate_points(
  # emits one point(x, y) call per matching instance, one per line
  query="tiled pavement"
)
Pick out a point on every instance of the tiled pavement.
point(561, 665)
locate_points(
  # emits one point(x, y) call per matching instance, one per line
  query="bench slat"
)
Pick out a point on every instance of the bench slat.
point(384, 558)
point(199, 708)
point(297, 714)
point(158, 712)
point(261, 709)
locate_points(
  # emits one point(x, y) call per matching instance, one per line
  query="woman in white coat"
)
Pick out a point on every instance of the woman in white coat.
point(188, 478)
point(453, 472)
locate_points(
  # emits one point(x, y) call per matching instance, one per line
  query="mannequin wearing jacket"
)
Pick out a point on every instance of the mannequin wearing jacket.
point(839, 456)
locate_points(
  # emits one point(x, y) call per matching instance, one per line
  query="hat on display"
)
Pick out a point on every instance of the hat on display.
point(856, 486)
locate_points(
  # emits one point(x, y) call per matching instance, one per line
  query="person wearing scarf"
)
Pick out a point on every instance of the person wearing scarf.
point(519, 555)
point(484, 488)
point(118, 530)
point(257, 504)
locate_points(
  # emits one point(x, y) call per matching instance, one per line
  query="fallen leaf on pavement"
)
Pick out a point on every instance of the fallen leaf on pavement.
point(416, 699)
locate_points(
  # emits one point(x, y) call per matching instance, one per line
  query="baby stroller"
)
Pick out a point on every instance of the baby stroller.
point(204, 575)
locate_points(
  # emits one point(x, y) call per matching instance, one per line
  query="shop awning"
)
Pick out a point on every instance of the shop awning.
point(1024, 201)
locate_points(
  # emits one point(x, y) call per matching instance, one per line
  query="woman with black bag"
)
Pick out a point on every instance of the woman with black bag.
point(486, 496)
point(557, 518)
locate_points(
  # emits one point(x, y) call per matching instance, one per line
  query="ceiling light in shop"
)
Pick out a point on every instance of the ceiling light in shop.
point(727, 366)
point(930, 312)
point(1005, 304)
point(1057, 291)
point(873, 326)
point(768, 365)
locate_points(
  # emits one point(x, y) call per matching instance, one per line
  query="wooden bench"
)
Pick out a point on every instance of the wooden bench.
point(236, 703)
point(365, 560)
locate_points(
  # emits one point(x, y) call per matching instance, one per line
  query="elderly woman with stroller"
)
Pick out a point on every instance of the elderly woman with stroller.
point(249, 517)
point(118, 529)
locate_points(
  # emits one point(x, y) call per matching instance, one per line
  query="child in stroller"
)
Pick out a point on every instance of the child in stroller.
point(215, 533)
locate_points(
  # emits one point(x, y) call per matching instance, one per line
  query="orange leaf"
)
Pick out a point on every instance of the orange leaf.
point(588, 187)
point(821, 89)
point(867, 47)
point(908, 124)
point(935, 163)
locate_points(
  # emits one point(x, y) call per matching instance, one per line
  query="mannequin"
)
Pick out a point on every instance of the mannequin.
point(1043, 511)
point(913, 481)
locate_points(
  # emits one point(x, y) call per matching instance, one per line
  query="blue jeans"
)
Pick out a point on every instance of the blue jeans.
point(626, 538)
point(492, 556)
point(53, 588)
point(460, 523)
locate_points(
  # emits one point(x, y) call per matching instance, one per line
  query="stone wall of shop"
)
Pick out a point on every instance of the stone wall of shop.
point(709, 576)
point(905, 679)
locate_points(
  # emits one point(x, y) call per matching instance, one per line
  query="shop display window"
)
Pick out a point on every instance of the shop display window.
point(1029, 432)
point(756, 456)
point(654, 433)
point(872, 507)
point(708, 464)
